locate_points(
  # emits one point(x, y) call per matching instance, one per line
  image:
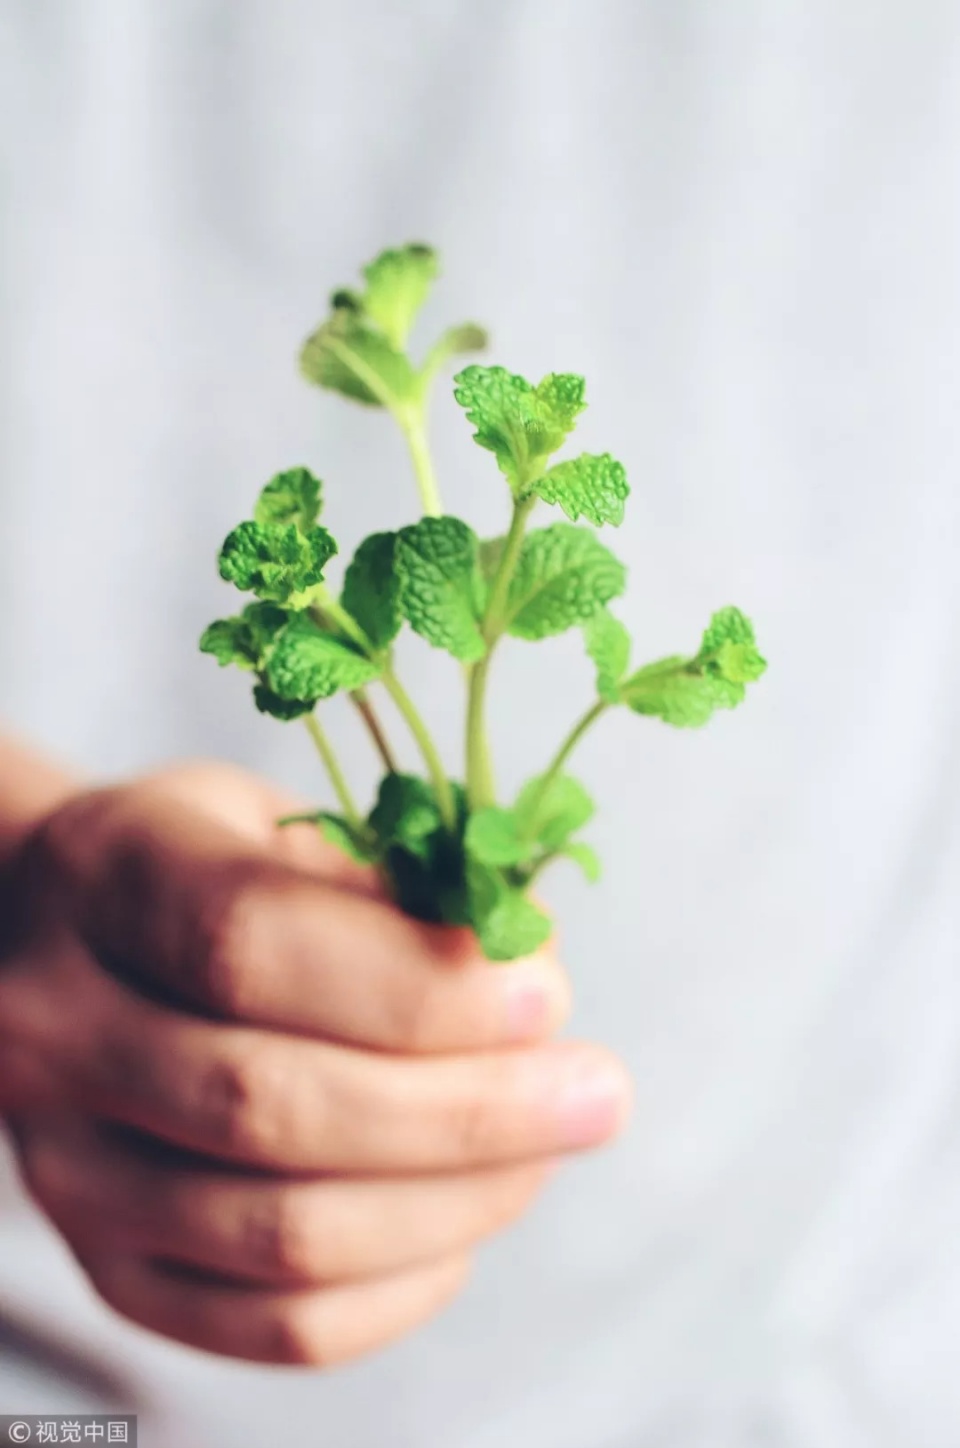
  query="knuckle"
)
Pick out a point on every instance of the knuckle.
point(282, 1239)
point(245, 1102)
point(483, 1117)
point(473, 1126)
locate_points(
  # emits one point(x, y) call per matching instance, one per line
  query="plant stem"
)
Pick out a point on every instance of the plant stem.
point(329, 615)
point(368, 714)
point(410, 416)
point(493, 617)
point(329, 611)
point(431, 757)
point(559, 760)
point(412, 424)
point(337, 778)
point(481, 788)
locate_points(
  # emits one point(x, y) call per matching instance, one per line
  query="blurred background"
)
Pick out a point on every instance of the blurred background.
point(741, 223)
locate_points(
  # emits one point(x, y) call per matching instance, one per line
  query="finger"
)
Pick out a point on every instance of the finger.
point(251, 806)
point(309, 1328)
point(98, 1188)
point(187, 905)
point(288, 1104)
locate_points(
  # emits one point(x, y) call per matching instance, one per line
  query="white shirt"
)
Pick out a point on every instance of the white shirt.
point(740, 222)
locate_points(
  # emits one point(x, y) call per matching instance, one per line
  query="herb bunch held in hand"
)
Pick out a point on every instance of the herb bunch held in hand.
point(449, 849)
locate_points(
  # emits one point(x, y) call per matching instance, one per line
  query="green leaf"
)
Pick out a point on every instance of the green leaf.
point(291, 497)
point(225, 639)
point(284, 709)
point(412, 885)
point(685, 692)
point(493, 838)
point(592, 486)
point(347, 299)
point(467, 337)
point(436, 560)
point(244, 639)
point(728, 649)
point(398, 281)
point(491, 551)
point(586, 857)
point(551, 817)
point(406, 814)
point(564, 575)
point(346, 355)
point(339, 831)
point(519, 423)
point(514, 928)
point(675, 690)
point(608, 645)
point(264, 621)
point(371, 589)
point(423, 860)
point(275, 561)
point(560, 398)
point(309, 663)
point(508, 925)
point(429, 888)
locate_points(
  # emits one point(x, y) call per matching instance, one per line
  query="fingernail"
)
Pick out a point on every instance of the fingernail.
point(590, 1101)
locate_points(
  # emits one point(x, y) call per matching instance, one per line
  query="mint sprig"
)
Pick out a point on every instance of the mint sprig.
point(450, 849)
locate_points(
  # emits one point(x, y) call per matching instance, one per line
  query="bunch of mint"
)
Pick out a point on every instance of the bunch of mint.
point(447, 848)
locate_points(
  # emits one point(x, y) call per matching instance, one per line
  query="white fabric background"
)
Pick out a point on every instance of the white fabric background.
point(740, 221)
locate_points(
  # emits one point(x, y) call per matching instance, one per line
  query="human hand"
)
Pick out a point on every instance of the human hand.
point(270, 1114)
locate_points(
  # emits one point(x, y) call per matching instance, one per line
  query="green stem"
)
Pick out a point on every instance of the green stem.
point(410, 416)
point(412, 424)
point(481, 788)
point(585, 722)
point(496, 604)
point(367, 375)
point(537, 868)
point(431, 757)
point(370, 718)
point(329, 615)
point(329, 611)
point(337, 778)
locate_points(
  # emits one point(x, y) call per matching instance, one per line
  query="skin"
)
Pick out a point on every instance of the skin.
point(271, 1116)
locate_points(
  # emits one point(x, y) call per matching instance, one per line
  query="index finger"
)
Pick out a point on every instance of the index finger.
point(180, 902)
